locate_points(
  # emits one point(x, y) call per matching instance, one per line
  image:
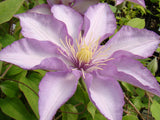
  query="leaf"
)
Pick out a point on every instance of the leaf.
point(8, 9)
point(91, 109)
point(9, 88)
point(14, 70)
point(4, 117)
point(32, 82)
point(129, 87)
point(136, 23)
point(155, 109)
point(14, 108)
point(6, 40)
point(130, 117)
point(153, 65)
point(99, 116)
point(69, 116)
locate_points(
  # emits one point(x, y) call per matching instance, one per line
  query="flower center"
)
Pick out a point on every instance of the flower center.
point(84, 54)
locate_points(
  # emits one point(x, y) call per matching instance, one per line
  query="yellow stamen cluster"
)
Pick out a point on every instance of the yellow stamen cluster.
point(84, 54)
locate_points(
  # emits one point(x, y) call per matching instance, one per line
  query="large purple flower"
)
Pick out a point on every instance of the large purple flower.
point(69, 44)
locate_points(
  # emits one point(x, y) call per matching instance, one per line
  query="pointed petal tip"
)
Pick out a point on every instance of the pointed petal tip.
point(54, 90)
point(106, 94)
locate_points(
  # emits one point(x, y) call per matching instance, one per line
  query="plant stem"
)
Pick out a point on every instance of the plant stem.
point(5, 72)
point(137, 111)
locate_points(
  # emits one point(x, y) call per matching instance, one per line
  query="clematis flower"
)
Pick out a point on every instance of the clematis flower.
point(68, 43)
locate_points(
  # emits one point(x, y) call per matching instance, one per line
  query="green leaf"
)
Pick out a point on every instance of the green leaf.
point(136, 23)
point(158, 79)
point(6, 40)
point(10, 88)
point(91, 109)
point(32, 82)
point(137, 102)
point(99, 116)
point(130, 117)
point(69, 116)
point(4, 117)
point(8, 9)
point(153, 65)
point(140, 92)
point(14, 70)
point(155, 109)
point(14, 108)
point(129, 87)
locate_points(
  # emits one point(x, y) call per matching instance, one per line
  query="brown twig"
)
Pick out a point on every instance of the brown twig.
point(22, 84)
point(5, 72)
point(137, 111)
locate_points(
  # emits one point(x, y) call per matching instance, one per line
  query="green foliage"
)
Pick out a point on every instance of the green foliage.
point(8, 9)
point(69, 108)
point(91, 109)
point(136, 23)
point(9, 88)
point(31, 92)
point(130, 117)
point(155, 107)
point(153, 65)
point(14, 108)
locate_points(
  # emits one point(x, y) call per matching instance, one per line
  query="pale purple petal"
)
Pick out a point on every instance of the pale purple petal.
point(140, 42)
point(53, 63)
point(71, 18)
point(107, 95)
point(42, 27)
point(54, 90)
point(126, 69)
point(41, 9)
point(65, 2)
point(135, 73)
point(82, 5)
point(28, 53)
point(140, 2)
point(52, 2)
point(99, 22)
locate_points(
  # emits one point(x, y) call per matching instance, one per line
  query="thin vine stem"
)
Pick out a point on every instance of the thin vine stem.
point(22, 84)
point(137, 111)
point(5, 72)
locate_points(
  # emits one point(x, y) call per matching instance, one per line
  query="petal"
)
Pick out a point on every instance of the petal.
point(71, 18)
point(53, 63)
point(41, 9)
point(82, 5)
point(136, 74)
point(107, 96)
point(65, 2)
point(54, 90)
point(42, 27)
point(99, 23)
point(131, 71)
point(28, 53)
point(140, 42)
point(140, 2)
point(52, 2)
